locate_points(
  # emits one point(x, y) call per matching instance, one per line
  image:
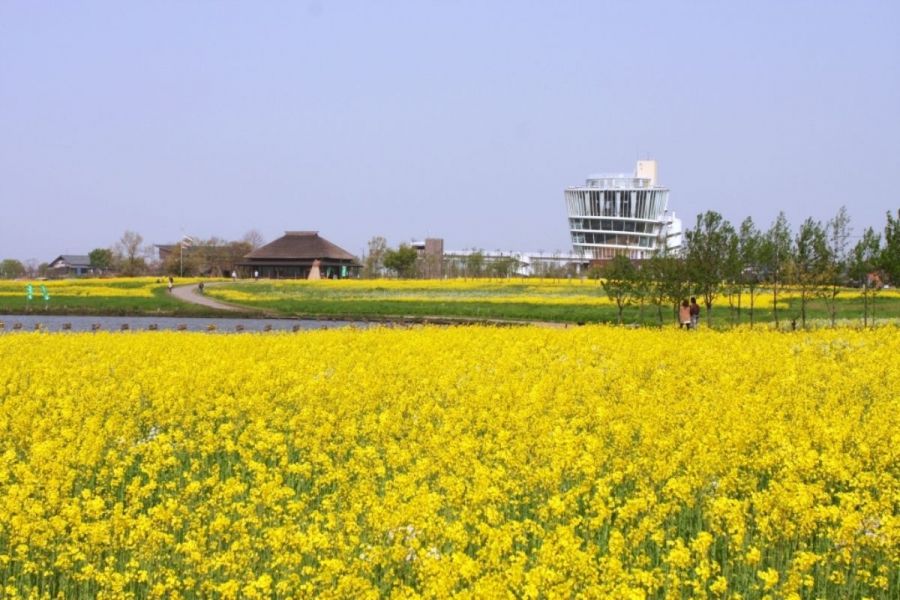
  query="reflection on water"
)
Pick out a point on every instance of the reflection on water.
point(223, 325)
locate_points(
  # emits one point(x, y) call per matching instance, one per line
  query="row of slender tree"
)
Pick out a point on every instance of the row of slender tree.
point(718, 259)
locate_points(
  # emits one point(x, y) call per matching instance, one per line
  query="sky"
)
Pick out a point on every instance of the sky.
point(464, 120)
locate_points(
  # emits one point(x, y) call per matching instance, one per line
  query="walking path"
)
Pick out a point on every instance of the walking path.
point(191, 294)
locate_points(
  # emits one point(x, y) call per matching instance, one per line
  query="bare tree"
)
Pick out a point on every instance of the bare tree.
point(129, 253)
point(373, 263)
point(254, 239)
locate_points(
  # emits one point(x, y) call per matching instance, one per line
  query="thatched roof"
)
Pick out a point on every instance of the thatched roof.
point(299, 245)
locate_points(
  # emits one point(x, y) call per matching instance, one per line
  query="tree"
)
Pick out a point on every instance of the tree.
point(732, 268)
point(619, 279)
point(31, 267)
point(253, 239)
point(101, 259)
point(809, 263)
point(774, 255)
point(669, 282)
point(503, 267)
point(838, 233)
point(129, 250)
point(402, 260)
point(749, 248)
point(643, 289)
point(864, 259)
point(373, 264)
point(11, 268)
point(475, 263)
point(707, 247)
point(890, 252)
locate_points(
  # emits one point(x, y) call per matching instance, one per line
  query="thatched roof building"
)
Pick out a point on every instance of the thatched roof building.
point(293, 255)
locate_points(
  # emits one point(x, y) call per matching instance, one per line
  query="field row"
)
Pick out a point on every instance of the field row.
point(482, 462)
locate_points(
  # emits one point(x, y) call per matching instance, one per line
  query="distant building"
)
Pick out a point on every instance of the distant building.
point(459, 263)
point(431, 257)
point(622, 214)
point(70, 265)
point(293, 255)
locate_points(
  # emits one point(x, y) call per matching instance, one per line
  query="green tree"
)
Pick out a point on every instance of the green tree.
point(890, 252)
point(732, 268)
point(402, 260)
point(101, 259)
point(669, 281)
point(865, 258)
point(775, 255)
point(619, 280)
point(838, 233)
point(503, 267)
point(809, 263)
point(749, 248)
point(11, 268)
point(475, 263)
point(707, 248)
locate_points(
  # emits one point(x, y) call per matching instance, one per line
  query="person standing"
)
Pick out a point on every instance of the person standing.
point(695, 313)
point(684, 315)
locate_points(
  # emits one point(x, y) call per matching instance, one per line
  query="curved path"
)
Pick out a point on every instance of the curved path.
point(191, 293)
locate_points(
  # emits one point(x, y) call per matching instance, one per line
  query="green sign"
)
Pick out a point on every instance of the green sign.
point(29, 291)
point(343, 270)
point(45, 293)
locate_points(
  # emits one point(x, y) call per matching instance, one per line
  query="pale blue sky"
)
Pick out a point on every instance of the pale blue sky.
point(462, 120)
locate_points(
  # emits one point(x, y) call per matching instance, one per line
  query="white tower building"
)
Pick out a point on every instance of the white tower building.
point(622, 214)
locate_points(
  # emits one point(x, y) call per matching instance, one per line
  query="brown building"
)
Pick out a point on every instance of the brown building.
point(292, 257)
point(430, 257)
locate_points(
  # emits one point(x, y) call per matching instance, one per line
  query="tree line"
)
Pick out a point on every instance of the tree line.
point(719, 260)
point(129, 256)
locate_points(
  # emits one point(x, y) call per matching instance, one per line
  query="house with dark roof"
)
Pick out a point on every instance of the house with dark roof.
point(300, 255)
point(70, 265)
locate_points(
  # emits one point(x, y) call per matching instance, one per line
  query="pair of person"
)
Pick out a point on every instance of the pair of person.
point(689, 314)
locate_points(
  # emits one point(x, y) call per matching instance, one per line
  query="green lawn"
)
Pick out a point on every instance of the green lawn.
point(521, 301)
point(138, 296)
point(562, 301)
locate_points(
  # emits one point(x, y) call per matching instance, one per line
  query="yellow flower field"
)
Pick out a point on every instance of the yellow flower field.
point(113, 287)
point(497, 291)
point(480, 462)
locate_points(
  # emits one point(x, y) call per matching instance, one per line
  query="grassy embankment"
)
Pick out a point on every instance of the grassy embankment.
point(527, 300)
point(119, 296)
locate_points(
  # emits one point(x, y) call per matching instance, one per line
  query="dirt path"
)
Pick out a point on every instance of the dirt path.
point(191, 294)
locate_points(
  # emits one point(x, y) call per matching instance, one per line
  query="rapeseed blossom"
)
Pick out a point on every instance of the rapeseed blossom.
point(478, 462)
